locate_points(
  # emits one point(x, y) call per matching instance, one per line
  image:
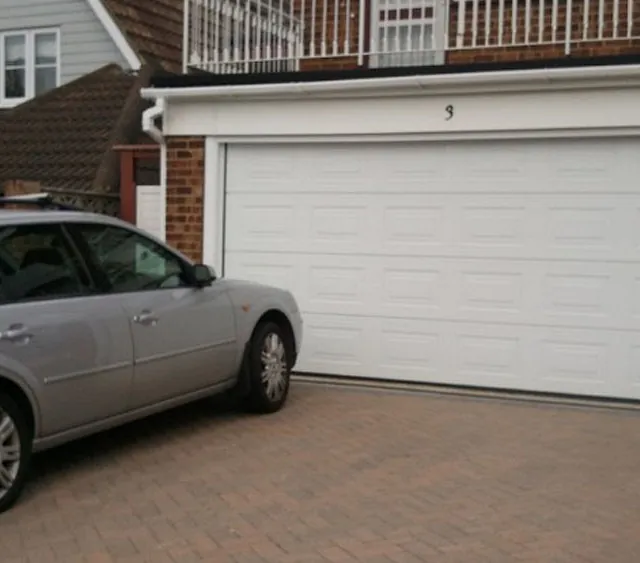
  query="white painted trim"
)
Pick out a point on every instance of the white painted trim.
point(435, 84)
point(213, 214)
point(437, 137)
point(116, 34)
point(163, 187)
point(186, 18)
point(30, 65)
point(12, 103)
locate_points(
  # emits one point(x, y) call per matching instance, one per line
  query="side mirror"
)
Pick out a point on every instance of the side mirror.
point(203, 275)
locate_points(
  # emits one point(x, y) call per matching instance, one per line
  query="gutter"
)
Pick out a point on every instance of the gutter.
point(149, 117)
point(463, 83)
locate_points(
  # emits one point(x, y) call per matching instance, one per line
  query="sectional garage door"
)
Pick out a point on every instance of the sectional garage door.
point(510, 264)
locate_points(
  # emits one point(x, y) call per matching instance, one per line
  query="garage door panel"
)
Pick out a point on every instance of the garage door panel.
point(265, 222)
point(631, 357)
point(500, 264)
point(589, 361)
point(438, 225)
point(413, 349)
point(503, 357)
point(556, 166)
point(271, 269)
point(517, 292)
point(335, 344)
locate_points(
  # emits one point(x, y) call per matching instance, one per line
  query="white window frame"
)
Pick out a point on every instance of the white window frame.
point(438, 23)
point(30, 67)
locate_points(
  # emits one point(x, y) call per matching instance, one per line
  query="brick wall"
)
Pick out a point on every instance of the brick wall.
point(329, 63)
point(185, 190)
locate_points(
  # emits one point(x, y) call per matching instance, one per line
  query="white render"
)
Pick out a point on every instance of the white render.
point(497, 248)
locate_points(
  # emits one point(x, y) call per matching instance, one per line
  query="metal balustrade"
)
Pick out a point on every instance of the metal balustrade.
point(248, 36)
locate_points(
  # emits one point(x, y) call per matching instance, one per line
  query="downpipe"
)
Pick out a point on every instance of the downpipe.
point(149, 117)
point(149, 126)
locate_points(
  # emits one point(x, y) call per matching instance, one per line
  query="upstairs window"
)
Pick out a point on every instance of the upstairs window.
point(29, 64)
point(407, 33)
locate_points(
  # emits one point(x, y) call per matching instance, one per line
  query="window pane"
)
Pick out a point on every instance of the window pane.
point(406, 45)
point(46, 49)
point(38, 264)
point(15, 51)
point(46, 79)
point(390, 35)
point(132, 262)
point(14, 86)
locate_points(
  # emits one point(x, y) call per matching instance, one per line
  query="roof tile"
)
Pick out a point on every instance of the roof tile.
point(153, 27)
point(60, 139)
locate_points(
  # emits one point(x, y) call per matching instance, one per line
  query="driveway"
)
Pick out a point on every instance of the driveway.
point(342, 475)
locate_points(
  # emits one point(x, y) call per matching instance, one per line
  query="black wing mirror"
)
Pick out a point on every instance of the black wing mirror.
point(203, 275)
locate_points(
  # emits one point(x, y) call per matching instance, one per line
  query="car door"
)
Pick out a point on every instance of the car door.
point(184, 336)
point(72, 346)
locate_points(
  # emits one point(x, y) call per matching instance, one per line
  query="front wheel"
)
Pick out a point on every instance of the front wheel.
point(269, 363)
point(15, 451)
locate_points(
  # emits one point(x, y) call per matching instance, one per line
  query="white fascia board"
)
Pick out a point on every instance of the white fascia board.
point(436, 84)
point(116, 34)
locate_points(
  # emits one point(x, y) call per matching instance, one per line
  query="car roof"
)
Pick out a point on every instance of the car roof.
point(20, 216)
point(9, 217)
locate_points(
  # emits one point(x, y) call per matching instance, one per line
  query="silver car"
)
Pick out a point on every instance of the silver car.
point(101, 324)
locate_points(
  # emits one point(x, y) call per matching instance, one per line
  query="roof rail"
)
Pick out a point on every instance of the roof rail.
point(42, 200)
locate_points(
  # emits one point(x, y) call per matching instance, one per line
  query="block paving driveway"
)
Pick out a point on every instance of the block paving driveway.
point(341, 475)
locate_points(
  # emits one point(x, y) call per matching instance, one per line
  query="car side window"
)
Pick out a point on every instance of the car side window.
point(131, 262)
point(38, 262)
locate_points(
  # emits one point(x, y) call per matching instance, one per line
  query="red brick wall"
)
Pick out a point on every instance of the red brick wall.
point(330, 63)
point(185, 189)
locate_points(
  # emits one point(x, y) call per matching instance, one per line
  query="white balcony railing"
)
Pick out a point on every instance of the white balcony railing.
point(236, 36)
point(248, 36)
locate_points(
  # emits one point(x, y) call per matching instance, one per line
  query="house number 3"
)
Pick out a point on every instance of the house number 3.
point(449, 110)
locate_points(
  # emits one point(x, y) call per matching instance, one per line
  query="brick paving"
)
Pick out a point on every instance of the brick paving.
point(341, 475)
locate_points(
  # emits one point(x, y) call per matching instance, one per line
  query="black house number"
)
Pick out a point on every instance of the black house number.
point(449, 110)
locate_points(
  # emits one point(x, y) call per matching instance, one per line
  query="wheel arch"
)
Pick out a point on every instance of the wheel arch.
point(276, 316)
point(270, 315)
point(23, 400)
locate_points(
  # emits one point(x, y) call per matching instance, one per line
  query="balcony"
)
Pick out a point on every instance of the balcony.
point(256, 36)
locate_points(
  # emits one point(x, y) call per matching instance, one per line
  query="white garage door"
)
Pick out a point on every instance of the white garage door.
point(499, 264)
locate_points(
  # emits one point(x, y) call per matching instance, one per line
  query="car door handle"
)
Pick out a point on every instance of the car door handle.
point(17, 334)
point(146, 318)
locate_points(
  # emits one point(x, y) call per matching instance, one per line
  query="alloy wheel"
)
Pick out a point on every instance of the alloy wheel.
point(9, 452)
point(274, 374)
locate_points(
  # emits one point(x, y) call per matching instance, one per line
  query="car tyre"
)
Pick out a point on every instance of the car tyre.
point(268, 366)
point(15, 451)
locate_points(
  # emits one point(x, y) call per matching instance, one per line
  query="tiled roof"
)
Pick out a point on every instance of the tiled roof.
point(63, 138)
point(153, 28)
